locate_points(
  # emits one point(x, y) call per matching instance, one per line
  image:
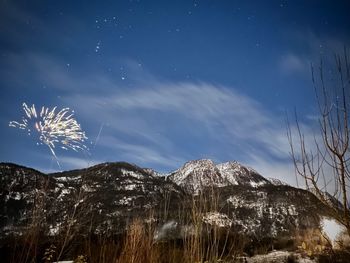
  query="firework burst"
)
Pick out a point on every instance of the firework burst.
point(54, 128)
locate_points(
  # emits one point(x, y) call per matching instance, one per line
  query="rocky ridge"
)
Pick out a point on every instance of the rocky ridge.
point(195, 175)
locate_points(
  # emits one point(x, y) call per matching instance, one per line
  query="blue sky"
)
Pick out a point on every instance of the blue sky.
point(158, 83)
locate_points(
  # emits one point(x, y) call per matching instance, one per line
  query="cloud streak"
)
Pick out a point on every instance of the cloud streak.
point(292, 63)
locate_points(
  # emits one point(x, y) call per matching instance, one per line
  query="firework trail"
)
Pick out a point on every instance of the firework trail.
point(98, 135)
point(54, 128)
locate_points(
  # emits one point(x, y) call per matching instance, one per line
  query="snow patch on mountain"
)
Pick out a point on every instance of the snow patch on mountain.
point(217, 219)
point(153, 172)
point(195, 175)
point(238, 174)
point(136, 175)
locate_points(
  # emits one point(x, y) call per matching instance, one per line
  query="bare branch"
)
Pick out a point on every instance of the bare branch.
point(329, 163)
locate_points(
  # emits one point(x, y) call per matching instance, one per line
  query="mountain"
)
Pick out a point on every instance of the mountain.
point(105, 198)
point(106, 195)
point(195, 175)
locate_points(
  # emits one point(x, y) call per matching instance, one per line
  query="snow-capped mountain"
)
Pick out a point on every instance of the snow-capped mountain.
point(198, 174)
point(195, 175)
point(106, 197)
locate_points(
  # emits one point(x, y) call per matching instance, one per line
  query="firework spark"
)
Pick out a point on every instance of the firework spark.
point(54, 128)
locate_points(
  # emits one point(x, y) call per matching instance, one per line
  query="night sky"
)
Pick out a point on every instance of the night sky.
point(158, 83)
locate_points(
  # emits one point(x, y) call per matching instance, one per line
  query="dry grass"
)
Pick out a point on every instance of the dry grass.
point(197, 241)
point(27, 247)
point(312, 242)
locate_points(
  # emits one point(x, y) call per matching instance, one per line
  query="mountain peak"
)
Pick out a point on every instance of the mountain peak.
point(197, 164)
point(196, 174)
point(237, 174)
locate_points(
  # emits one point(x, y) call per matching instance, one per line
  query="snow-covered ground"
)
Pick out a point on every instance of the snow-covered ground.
point(332, 229)
point(278, 257)
point(272, 257)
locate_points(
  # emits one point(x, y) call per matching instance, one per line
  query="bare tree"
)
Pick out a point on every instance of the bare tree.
point(324, 164)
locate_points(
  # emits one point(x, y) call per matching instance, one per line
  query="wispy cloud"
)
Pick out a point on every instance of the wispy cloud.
point(282, 170)
point(142, 154)
point(292, 63)
point(315, 48)
point(163, 117)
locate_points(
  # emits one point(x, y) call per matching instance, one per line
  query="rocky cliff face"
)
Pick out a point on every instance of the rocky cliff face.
point(104, 198)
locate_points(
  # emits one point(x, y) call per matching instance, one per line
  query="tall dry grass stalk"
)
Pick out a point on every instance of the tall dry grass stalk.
point(198, 242)
point(34, 242)
point(26, 248)
point(209, 242)
point(72, 226)
point(138, 245)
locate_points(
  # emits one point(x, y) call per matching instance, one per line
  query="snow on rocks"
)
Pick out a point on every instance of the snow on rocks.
point(237, 174)
point(67, 179)
point(217, 219)
point(132, 174)
point(197, 174)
